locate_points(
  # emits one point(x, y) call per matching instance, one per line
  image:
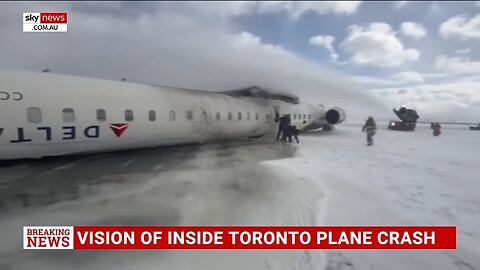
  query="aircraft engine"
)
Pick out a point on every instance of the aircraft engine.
point(335, 115)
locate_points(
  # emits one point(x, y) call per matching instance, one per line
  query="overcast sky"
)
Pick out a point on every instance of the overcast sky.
point(364, 56)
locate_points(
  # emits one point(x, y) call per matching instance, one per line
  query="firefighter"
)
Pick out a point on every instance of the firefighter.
point(436, 129)
point(370, 128)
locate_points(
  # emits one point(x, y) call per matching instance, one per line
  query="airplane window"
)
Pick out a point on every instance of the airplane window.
point(68, 115)
point(217, 116)
point(34, 115)
point(189, 115)
point(152, 115)
point(256, 116)
point(304, 116)
point(239, 116)
point(172, 116)
point(309, 116)
point(248, 115)
point(229, 116)
point(128, 115)
point(294, 116)
point(101, 115)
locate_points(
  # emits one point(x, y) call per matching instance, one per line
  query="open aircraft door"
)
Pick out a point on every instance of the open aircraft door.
point(202, 120)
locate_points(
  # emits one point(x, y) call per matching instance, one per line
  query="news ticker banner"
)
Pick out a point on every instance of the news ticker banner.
point(245, 237)
point(45, 22)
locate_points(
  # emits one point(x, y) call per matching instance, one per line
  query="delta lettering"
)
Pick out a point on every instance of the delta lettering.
point(46, 134)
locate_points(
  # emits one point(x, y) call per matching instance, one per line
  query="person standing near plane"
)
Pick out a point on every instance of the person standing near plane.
point(283, 127)
point(292, 131)
point(370, 128)
point(436, 128)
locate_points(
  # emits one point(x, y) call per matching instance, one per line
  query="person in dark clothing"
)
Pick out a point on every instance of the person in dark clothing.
point(292, 131)
point(283, 127)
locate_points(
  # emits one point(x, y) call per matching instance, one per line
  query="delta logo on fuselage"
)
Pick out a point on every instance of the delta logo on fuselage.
point(64, 133)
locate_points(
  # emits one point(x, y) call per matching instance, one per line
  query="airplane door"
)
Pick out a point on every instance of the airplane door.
point(202, 120)
point(277, 113)
point(271, 115)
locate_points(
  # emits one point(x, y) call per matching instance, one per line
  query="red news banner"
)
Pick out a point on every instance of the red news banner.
point(53, 17)
point(250, 237)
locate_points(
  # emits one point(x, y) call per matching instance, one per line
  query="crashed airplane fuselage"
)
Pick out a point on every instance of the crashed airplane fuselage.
point(49, 115)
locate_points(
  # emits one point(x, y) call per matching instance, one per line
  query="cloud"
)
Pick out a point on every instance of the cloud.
point(372, 81)
point(400, 4)
point(457, 65)
point(327, 43)
point(293, 9)
point(409, 77)
point(412, 29)
point(249, 41)
point(169, 46)
point(462, 26)
point(376, 44)
point(296, 9)
point(463, 51)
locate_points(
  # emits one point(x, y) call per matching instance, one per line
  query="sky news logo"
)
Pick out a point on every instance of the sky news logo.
point(45, 22)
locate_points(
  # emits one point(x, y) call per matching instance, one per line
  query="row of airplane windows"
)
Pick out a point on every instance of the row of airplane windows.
point(34, 115)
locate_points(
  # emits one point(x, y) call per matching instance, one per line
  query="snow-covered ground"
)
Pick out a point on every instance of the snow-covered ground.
point(406, 178)
point(409, 178)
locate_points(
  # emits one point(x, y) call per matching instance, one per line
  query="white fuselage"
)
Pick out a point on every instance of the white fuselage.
point(44, 114)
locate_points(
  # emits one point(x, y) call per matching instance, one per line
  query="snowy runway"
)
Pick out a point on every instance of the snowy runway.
point(191, 185)
point(407, 178)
